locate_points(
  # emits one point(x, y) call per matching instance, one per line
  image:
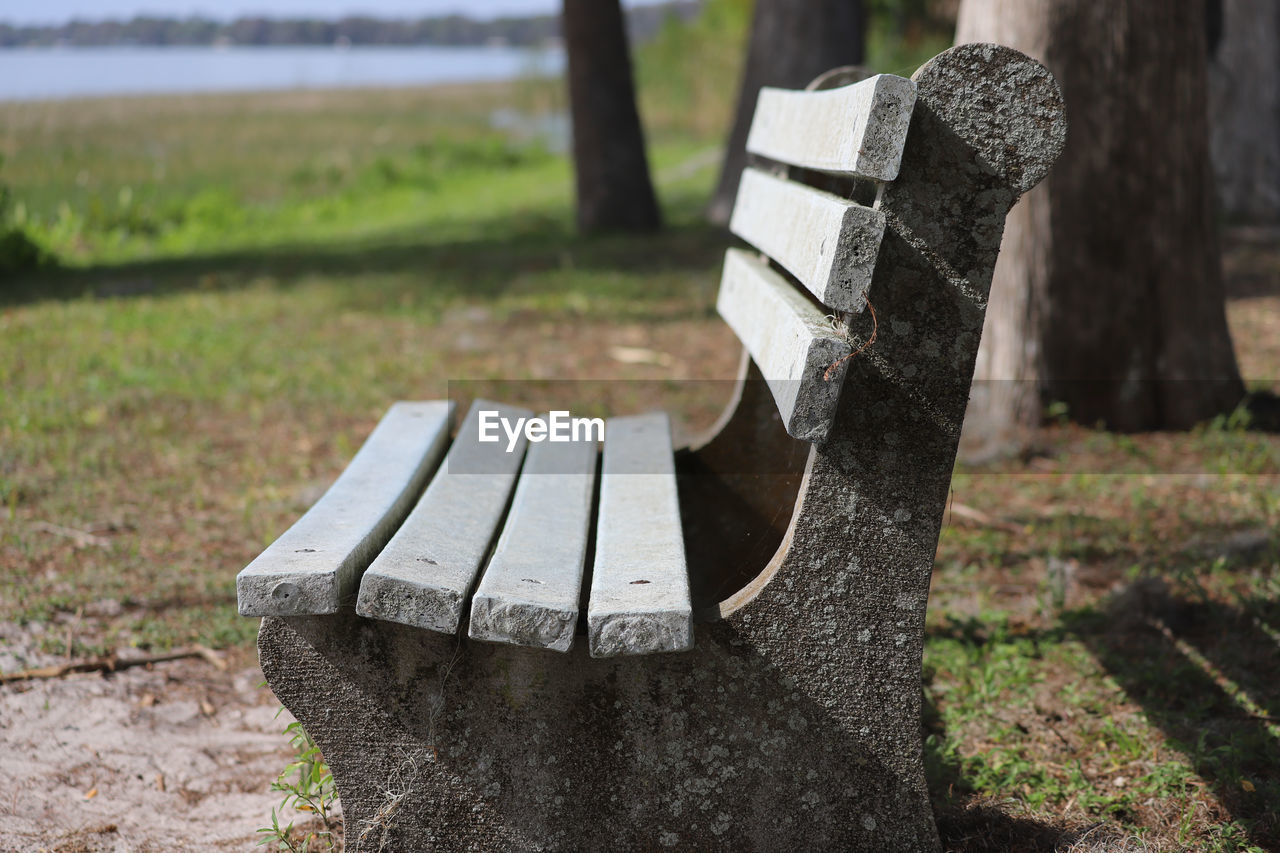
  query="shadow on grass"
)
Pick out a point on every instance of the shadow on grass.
point(1205, 674)
point(982, 828)
point(483, 267)
point(968, 825)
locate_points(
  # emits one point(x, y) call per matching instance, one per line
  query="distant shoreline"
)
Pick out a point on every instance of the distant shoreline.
point(47, 74)
point(251, 48)
point(453, 88)
point(350, 31)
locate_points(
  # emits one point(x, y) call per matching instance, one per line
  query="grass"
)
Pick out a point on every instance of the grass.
point(1103, 654)
point(246, 282)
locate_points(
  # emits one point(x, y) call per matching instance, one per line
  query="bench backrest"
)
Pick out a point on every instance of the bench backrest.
point(884, 425)
point(825, 243)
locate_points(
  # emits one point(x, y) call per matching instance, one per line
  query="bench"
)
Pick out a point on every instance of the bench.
point(545, 650)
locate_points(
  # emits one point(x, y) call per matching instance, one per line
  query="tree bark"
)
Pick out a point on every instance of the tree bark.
point(792, 42)
point(614, 191)
point(1244, 110)
point(1108, 295)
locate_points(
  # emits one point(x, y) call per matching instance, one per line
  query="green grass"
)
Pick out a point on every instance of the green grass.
point(246, 282)
point(1105, 652)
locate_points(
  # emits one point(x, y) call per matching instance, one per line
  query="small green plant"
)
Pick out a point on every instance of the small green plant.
point(18, 252)
point(1058, 413)
point(308, 787)
point(1238, 419)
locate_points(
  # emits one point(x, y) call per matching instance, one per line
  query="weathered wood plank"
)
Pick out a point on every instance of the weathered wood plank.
point(428, 569)
point(854, 130)
point(315, 566)
point(639, 599)
point(791, 341)
point(826, 242)
point(530, 592)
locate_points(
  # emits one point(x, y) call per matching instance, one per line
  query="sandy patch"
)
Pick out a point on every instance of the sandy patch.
point(177, 757)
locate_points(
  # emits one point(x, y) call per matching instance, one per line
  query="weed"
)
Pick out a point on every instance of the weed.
point(308, 787)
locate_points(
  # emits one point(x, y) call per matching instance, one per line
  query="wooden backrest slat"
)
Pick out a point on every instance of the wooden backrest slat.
point(826, 242)
point(853, 130)
point(795, 346)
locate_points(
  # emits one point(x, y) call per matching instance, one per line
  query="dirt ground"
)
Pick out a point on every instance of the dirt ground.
point(178, 756)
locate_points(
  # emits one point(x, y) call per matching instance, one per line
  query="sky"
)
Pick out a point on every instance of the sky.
point(60, 11)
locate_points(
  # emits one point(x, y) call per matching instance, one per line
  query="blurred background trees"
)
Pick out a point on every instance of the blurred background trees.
point(1244, 107)
point(611, 170)
point(1108, 297)
point(791, 42)
point(1108, 303)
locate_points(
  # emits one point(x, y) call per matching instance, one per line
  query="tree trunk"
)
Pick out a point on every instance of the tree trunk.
point(612, 175)
point(1108, 295)
point(792, 42)
point(1244, 110)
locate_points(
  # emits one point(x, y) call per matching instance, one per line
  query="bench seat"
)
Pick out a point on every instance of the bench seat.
point(499, 540)
point(506, 539)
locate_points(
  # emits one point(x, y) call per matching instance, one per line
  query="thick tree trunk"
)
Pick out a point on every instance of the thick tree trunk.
point(613, 186)
point(1108, 295)
point(792, 42)
point(1244, 110)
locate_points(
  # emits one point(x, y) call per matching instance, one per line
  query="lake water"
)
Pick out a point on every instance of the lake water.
point(45, 73)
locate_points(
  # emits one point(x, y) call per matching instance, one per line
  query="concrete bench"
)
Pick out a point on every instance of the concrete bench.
point(786, 556)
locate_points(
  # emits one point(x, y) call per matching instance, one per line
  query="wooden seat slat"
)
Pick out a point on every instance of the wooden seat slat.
point(315, 566)
point(795, 346)
point(639, 599)
point(866, 140)
point(529, 594)
point(826, 242)
point(426, 572)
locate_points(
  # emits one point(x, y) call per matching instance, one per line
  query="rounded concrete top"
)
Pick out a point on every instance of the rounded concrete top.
point(1003, 104)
